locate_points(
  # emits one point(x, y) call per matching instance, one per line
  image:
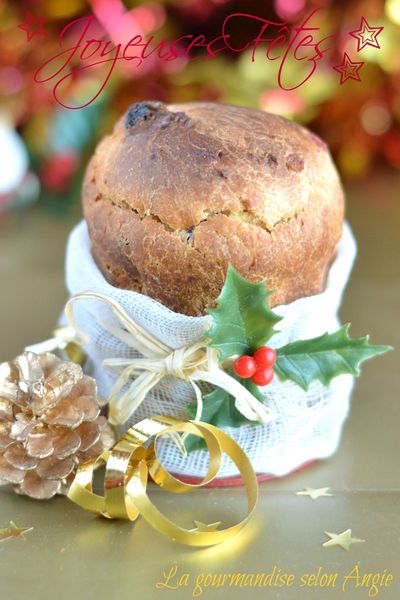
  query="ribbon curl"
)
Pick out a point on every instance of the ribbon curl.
point(134, 457)
point(197, 362)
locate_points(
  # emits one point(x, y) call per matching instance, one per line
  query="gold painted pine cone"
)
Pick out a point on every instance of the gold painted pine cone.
point(49, 423)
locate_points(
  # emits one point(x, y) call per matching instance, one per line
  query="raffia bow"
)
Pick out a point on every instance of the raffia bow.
point(197, 362)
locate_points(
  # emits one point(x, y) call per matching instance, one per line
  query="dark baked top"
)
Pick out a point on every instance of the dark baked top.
point(177, 192)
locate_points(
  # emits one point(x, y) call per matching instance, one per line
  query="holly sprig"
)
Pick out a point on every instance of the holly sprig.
point(325, 357)
point(243, 321)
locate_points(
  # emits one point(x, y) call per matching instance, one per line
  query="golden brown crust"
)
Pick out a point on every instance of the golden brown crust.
point(178, 192)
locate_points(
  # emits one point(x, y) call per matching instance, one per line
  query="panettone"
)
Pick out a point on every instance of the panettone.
point(178, 192)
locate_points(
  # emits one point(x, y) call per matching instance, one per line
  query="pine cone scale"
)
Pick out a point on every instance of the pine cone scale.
point(6, 409)
point(65, 442)
point(5, 439)
point(21, 427)
point(60, 384)
point(38, 488)
point(30, 369)
point(89, 408)
point(18, 458)
point(89, 433)
point(64, 414)
point(9, 474)
point(53, 468)
point(39, 443)
point(9, 388)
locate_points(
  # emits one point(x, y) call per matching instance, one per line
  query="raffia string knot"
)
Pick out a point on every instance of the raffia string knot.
point(155, 360)
point(182, 362)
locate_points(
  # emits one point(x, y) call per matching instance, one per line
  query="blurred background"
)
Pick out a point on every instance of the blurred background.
point(44, 147)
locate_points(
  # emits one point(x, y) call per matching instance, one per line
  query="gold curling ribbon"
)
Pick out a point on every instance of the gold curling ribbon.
point(134, 457)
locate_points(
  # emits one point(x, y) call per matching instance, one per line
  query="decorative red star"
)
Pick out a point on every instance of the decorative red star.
point(366, 35)
point(348, 69)
point(36, 22)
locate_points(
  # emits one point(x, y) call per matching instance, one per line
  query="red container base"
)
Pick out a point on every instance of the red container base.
point(235, 481)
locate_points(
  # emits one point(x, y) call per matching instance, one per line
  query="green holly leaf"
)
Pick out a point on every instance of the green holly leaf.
point(242, 320)
point(324, 357)
point(219, 409)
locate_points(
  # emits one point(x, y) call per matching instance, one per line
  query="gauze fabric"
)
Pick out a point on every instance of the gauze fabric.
point(307, 425)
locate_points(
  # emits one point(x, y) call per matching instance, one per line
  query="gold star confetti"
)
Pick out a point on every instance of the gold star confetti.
point(314, 493)
point(344, 540)
point(12, 531)
point(204, 527)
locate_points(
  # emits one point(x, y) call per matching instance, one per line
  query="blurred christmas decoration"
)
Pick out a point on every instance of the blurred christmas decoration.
point(18, 186)
point(45, 146)
point(49, 424)
point(13, 158)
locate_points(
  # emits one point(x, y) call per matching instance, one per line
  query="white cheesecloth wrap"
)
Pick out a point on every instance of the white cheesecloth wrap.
point(307, 425)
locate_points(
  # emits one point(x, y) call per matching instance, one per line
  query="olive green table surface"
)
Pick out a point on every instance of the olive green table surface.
point(72, 554)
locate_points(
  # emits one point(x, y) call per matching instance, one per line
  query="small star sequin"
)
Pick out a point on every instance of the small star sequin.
point(315, 493)
point(12, 531)
point(204, 527)
point(33, 26)
point(344, 540)
point(348, 69)
point(366, 35)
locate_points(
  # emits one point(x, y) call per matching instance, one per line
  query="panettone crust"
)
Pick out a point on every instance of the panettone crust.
point(178, 192)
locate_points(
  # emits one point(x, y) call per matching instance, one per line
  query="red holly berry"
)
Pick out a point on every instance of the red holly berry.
point(263, 376)
point(265, 356)
point(244, 366)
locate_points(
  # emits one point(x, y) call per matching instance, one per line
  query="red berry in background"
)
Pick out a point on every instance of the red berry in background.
point(265, 356)
point(58, 170)
point(244, 366)
point(263, 376)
